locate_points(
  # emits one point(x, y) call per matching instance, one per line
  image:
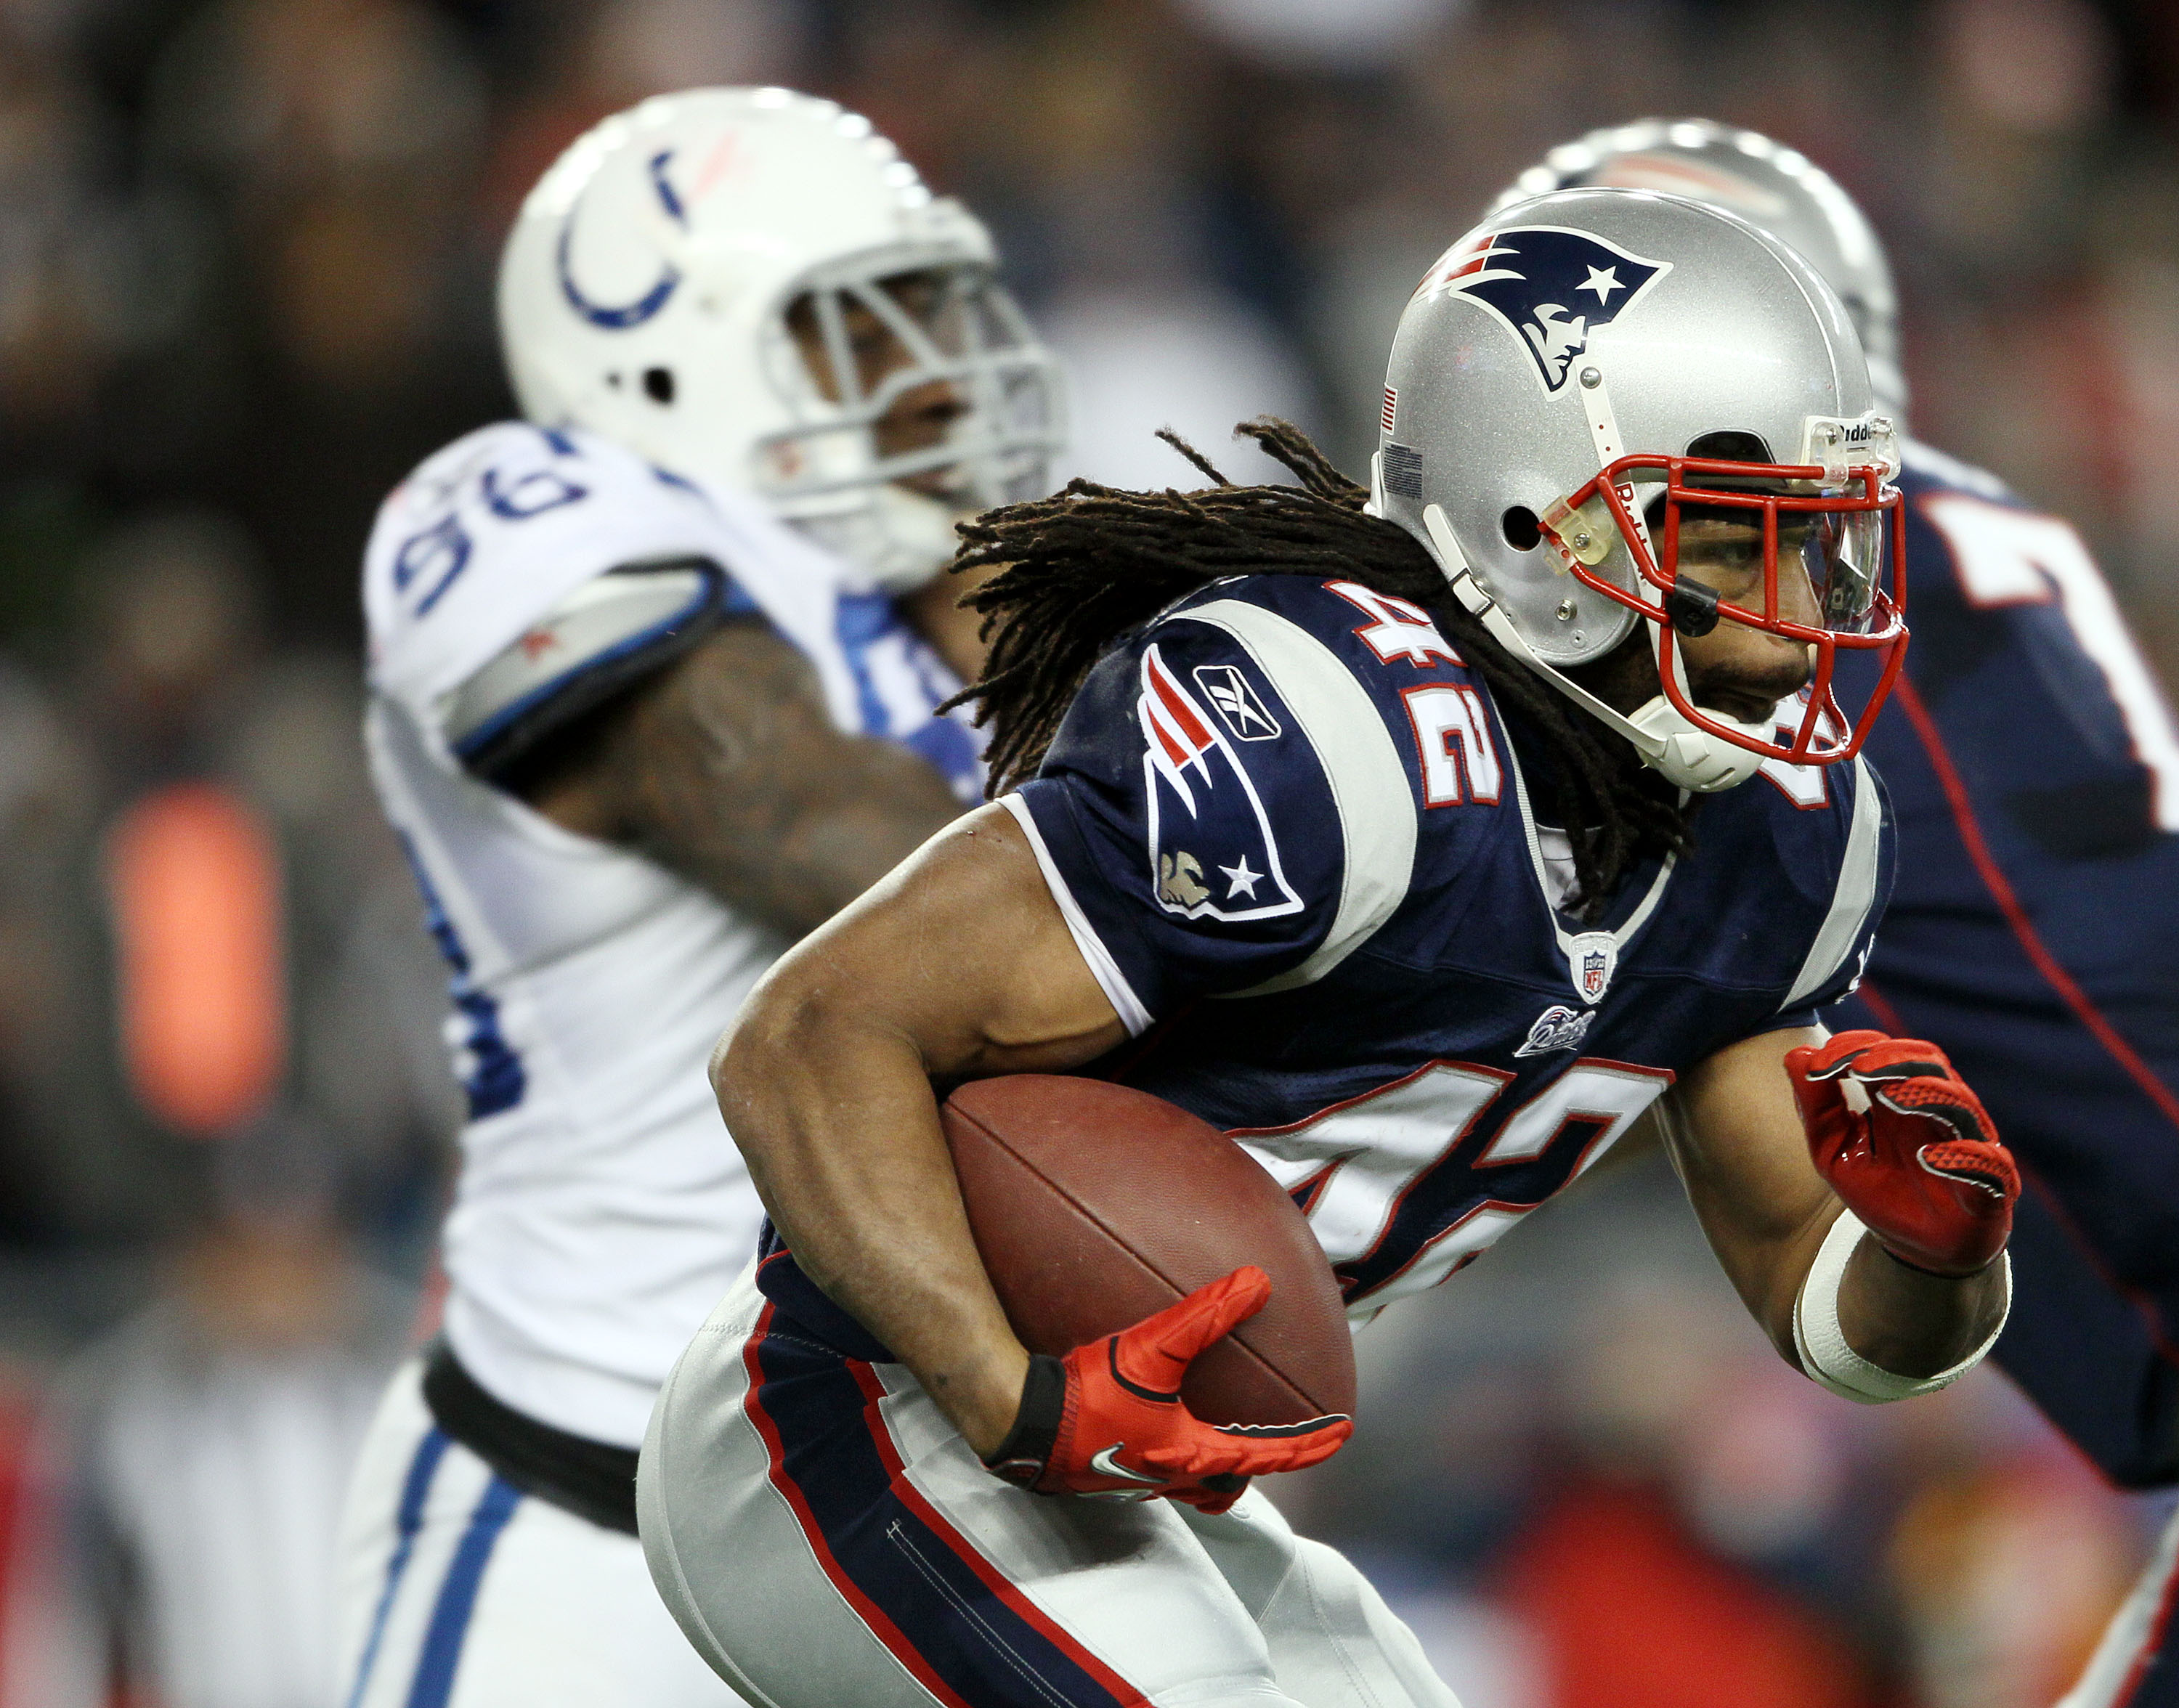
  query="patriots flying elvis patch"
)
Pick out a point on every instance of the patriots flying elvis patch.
point(1551, 287)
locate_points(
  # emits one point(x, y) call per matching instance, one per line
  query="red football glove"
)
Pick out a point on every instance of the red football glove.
point(1923, 1168)
point(1106, 1420)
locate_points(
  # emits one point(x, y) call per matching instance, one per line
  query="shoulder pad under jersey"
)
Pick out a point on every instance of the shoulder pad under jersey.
point(610, 632)
point(491, 537)
point(1926, 466)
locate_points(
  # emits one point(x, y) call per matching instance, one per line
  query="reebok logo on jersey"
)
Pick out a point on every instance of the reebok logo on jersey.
point(1557, 1028)
point(1551, 287)
point(1236, 703)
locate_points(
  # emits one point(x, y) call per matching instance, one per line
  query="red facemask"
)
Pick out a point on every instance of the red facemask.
point(1839, 541)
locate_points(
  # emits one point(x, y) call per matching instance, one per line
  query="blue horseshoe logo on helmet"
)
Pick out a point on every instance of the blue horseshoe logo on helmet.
point(619, 319)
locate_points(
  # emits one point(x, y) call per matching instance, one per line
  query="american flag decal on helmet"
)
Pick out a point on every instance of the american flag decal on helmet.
point(1391, 398)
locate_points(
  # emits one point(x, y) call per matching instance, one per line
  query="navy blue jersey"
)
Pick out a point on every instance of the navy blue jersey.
point(2034, 933)
point(1292, 839)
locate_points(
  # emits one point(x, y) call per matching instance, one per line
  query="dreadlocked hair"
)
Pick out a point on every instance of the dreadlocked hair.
point(1079, 570)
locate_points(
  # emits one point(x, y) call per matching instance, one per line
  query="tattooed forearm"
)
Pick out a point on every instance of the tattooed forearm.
point(725, 769)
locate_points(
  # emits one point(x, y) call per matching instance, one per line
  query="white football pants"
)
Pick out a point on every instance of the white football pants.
point(825, 1537)
point(459, 1591)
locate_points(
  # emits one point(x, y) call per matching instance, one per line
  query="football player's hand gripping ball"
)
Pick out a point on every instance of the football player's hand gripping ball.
point(1107, 1420)
point(1921, 1165)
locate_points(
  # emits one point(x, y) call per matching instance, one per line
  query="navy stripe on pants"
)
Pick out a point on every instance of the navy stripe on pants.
point(954, 1630)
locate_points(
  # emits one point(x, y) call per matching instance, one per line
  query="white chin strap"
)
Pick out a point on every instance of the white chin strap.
point(900, 540)
point(919, 538)
point(1691, 756)
point(1669, 743)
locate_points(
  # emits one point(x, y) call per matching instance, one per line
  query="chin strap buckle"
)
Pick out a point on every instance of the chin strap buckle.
point(1691, 605)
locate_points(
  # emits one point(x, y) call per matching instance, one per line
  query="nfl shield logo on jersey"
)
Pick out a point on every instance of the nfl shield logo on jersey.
point(1592, 957)
point(1552, 289)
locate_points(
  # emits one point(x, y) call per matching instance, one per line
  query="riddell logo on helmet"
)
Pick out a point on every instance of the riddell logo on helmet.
point(1550, 287)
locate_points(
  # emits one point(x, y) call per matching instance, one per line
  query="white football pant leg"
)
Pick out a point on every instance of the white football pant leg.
point(1333, 1641)
point(832, 1539)
point(457, 1591)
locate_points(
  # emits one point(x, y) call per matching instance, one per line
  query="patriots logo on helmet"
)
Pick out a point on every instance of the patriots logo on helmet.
point(1552, 289)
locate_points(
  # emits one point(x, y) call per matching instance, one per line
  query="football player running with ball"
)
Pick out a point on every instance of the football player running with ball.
point(1422, 840)
point(2034, 771)
point(653, 679)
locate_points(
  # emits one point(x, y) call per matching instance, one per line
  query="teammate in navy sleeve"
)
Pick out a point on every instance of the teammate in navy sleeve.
point(2034, 931)
point(1424, 844)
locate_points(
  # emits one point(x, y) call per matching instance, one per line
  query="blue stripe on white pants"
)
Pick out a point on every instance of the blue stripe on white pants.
point(561, 1613)
point(415, 1488)
point(458, 1594)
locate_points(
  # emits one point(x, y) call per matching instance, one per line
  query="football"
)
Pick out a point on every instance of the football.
point(1093, 1205)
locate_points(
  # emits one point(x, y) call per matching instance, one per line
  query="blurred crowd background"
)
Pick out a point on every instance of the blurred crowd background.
point(246, 248)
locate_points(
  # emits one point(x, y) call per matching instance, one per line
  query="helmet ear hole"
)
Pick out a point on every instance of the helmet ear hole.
point(1731, 445)
point(658, 384)
point(1522, 532)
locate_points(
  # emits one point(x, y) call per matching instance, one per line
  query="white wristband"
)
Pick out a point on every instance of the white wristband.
point(1822, 1344)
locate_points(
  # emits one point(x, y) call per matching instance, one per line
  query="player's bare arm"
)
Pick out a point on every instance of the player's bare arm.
point(1737, 1137)
point(959, 964)
point(724, 767)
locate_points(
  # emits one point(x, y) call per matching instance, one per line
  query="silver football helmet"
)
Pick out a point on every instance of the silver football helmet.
point(1771, 186)
point(1580, 372)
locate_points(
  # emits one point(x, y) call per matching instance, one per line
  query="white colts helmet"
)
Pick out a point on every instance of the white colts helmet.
point(645, 294)
point(1578, 370)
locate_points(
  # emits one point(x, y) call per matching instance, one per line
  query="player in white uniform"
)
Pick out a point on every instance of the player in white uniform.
point(653, 681)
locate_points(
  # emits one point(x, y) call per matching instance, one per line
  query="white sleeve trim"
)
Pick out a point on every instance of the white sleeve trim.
point(1369, 787)
point(1855, 895)
point(1099, 959)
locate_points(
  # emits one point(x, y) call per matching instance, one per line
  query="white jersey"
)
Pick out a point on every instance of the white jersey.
point(602, 1208)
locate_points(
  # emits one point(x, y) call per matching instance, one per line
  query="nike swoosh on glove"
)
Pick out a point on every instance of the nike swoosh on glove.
point(1107, 1420)
point(1923, 1167)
